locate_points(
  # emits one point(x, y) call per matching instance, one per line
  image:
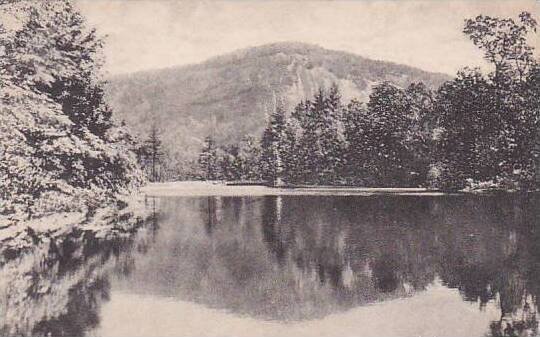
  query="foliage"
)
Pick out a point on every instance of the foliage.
point(151, 155)
point(208, 160)
point(58, 138)
point(475, 131)
point(490, 123)
point(273, 147)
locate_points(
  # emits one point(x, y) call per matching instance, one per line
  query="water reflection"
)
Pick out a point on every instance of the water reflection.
point(290, 258)
point(58, 289)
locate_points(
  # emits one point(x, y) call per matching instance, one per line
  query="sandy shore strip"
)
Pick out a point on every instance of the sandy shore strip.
point(205, 188)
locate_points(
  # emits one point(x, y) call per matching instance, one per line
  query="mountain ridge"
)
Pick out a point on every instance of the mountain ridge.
point(231, 95)
point(279, 44)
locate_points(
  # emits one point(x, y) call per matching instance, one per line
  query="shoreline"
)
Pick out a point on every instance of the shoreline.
point(217, 188)
point(209, 188)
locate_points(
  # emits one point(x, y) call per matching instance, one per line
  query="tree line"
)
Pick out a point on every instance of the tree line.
point(476, 130)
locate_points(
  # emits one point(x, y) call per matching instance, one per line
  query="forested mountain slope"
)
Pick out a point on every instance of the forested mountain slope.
point(232, 95)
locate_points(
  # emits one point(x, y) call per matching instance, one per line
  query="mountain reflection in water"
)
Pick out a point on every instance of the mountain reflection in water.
point(289, 258)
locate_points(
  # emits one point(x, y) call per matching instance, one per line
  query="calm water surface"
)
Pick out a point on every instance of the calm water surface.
point(290, 266)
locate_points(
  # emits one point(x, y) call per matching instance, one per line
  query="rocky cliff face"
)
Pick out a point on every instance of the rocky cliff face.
point(231, 95)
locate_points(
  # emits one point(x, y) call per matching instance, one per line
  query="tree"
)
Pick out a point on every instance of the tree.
point(418, 139)
point(34, 139)
point(320, 141)
point(67, 145)
point(332, 142)
point(230, 162)
point(489, 124)
point(388, 109)
point(55, 54)
point(290, 155)
point(154, 153)
point(389, 138)
point(465, 147)
point(504, 43)
point(532, 120)
point(208, 159)
point(249, 156)
point(306, 139)
point(272, 147)
point(357, 122)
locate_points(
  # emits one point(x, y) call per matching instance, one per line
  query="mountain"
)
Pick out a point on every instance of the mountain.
point(231, 95)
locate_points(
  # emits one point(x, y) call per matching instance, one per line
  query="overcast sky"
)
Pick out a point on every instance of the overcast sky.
point(159, 33)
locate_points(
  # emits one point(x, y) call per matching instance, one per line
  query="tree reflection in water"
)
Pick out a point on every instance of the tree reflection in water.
point(58, 288)
point(364, 248)
point(291, 258)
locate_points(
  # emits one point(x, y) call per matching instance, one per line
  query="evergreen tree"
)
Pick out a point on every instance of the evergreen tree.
point(306, 148)
point(332, 141)
point(154, 153)
point(230, 163)
point(290, 153)
point(208, 160)
point(273, 148)
point(34, 139)
point(321, 141)
point(249, 157)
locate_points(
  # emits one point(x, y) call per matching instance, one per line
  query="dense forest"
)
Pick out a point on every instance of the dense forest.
point(475, 131)
point(60, 147)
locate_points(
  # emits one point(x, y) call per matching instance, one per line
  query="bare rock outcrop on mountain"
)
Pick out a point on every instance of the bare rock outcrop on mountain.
point(231, 95)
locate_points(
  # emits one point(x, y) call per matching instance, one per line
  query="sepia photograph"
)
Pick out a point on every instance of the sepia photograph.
point(269, 168)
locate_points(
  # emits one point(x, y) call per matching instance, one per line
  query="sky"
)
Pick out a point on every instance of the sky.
point(154, 34)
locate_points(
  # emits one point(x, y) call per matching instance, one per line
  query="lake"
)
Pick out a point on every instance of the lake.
point(290, 266)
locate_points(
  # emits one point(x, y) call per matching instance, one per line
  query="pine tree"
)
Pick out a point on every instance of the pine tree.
point(332, 142)
point(249, 156)
point(273, 148)
point(34, 140)
point(320, 141)
point(314, 126)
point(208, 160)
point(290, 153)
point(154, 153)
point(230, 163)
point(306, 143)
